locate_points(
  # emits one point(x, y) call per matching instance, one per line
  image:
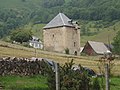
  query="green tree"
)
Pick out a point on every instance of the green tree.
point(23, 0)
point(83, 30)
point(73, 80)
point(69, 78)
point(52, 3)
point(96, 84)
point(1, 31)
point(116, 43)
point(21, 36)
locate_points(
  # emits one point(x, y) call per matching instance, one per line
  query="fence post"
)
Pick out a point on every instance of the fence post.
point(57, 76)
point(107, 76)
point(35, 52)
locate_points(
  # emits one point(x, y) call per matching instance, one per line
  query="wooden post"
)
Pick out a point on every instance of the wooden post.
point(57, 75)
point(35, 53)
point(107, 76)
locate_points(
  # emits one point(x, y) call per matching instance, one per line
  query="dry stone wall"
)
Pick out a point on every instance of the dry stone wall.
point(22, 66)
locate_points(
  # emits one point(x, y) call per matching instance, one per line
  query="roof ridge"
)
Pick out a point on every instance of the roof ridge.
point(62, 18)
point(96, 42)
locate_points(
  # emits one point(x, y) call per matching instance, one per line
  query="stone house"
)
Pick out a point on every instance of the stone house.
point(62, 34)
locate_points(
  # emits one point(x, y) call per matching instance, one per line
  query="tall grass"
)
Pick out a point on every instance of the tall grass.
point(37, 82)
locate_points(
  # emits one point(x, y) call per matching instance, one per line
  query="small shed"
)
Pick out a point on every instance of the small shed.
point(95, 48)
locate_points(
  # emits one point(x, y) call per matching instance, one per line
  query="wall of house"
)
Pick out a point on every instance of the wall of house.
point(72, 40)
point(88, 50)
point(59, 39)
point(54, 39)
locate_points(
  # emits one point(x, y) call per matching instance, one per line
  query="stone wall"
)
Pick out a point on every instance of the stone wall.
point(54, 39)
point(22, 66)
point(72, 40)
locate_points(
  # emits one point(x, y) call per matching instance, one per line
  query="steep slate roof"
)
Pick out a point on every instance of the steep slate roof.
point(99, 47)
point(60, 20)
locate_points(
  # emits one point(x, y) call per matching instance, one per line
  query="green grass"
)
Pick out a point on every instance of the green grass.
point(24, 83)
point(38, 82)
point(115, 83)
point(103, 35)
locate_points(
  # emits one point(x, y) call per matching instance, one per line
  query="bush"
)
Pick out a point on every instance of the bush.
point(96, 84)
point(66, 51)
point(69, 78)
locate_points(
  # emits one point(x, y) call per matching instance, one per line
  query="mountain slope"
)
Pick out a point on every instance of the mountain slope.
point(15, 14)
point(105, 35)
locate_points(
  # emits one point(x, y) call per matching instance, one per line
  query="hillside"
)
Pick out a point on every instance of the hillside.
point(16, 14)
point(105, 34)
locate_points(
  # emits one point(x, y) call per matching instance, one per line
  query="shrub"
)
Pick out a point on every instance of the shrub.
point(96, 84)
point(67, 51)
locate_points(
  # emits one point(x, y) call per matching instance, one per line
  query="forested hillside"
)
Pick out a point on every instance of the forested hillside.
point(16, 14)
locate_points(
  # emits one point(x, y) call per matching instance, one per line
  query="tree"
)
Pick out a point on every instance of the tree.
point(96, 84)
point(21, 36)
point(52, 3)
point(1, 31)
point(74, 80)
point(69, 78)
point(23, 0)
point(116, 43)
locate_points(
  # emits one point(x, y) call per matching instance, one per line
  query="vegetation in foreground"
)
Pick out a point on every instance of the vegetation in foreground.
point(115, 83)
point(37, 82)
point(70, 79)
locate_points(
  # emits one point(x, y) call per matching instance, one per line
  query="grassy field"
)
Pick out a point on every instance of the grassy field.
point(115, 83)
point(38, 82)
point(24, 83)
point(12, 50)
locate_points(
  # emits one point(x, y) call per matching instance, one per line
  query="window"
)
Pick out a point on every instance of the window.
point(75, 53)
point(53, 35)
point(74, 44)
